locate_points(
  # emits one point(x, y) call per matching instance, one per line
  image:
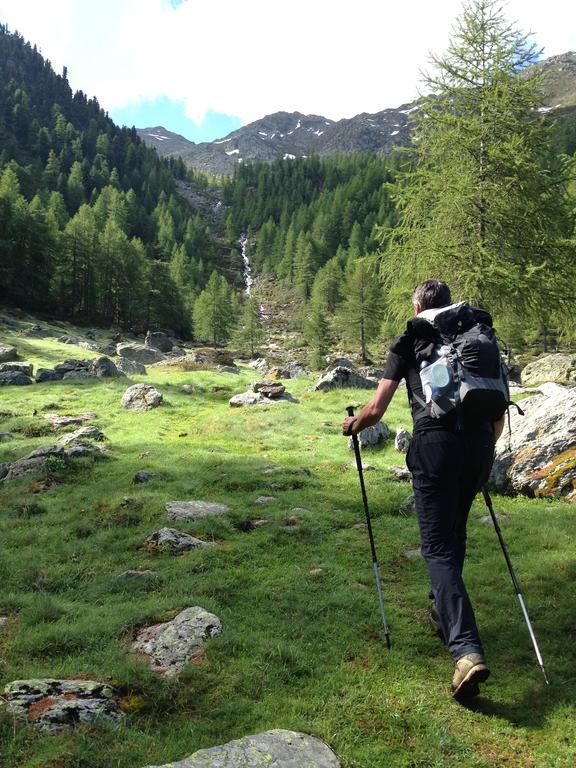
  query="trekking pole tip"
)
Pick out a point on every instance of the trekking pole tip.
point(389, 645)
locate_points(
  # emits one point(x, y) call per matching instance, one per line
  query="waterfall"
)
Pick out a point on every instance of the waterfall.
point(247, 271)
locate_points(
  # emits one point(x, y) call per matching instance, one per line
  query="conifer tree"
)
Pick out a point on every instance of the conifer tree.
point(483, 206)
point(250, 331)
point(214, 311)
point(360, 314)
point(318, 334)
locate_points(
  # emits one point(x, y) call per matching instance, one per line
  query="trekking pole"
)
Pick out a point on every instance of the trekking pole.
point(350, 411)
point(488, 501)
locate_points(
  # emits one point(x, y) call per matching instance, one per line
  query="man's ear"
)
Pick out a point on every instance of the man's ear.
point(417, 309)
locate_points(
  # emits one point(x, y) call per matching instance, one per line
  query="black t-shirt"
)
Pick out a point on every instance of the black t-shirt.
point(401, 364)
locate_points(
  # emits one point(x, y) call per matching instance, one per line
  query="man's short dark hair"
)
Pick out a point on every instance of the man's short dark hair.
point(431, 294)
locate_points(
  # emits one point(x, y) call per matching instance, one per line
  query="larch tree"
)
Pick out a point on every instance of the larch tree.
point(483, 204)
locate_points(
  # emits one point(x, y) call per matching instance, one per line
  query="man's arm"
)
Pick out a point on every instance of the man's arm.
point(372, 411)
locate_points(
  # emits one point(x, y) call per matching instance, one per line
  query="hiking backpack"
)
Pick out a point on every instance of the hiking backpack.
point(460, 365)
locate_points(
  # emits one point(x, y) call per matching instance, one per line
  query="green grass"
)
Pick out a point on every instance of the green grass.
point(302, 648)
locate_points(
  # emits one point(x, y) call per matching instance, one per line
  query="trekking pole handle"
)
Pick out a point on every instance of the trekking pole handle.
point(350, 412)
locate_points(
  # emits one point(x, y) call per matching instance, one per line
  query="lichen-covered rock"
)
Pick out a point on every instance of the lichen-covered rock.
point(174, 541)
point(371, 435)
point(24, 467)
point(194, 510)
point(539, 458)
point(171, 646)
point(402, 440)
point(8, 353)
point(271, 749)
point(341, 377)
point(558, 368)
point(14, 378)
point(54, 706)
point(84, 433)
point(140, 353)
point(141, 397)
point(57, 420)
point(25, 368)
point(129, 367)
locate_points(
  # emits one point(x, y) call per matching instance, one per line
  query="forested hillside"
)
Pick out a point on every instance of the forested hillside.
point(90, 225)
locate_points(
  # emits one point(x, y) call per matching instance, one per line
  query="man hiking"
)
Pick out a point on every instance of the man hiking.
point(450, 458)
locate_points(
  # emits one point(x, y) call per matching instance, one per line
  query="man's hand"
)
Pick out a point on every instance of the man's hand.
point(348, 425)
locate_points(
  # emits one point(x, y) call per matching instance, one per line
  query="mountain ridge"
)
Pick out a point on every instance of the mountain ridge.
point(286, 135)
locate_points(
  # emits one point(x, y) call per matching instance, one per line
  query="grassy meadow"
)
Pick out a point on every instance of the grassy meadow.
point(302, 646)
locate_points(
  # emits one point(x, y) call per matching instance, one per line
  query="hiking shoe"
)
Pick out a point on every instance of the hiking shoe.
point(470, 670)
point(434, 621)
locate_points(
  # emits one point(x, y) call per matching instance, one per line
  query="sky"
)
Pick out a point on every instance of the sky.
point(202, 68)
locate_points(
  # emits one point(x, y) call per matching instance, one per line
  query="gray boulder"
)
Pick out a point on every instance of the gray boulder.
point(158, 340)
point(48, 374)
point(402, 440)
point(3, 622)
point(14, 378)
point(539, 458)
point(24, 467)
point(6, 437)
point(54, 706)
point(371, 435)
point(269, 388)
point(341, 377)
point(339, 362)
point(296, 370)
point(141, 397)
point(103, 368)
point(72, 365)
point(259, 364)
point(139, 353)
point(67, 339)
point(4, 469)
point(174, 541)
point(129, 367)
point(194, 510)
point(557, 368)
point(25, 368)
point(271, 749)
point(248, 398)
point(7, 353)
point(172, 645)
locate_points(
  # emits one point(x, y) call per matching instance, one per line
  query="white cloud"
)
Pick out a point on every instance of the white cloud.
point(331, 57)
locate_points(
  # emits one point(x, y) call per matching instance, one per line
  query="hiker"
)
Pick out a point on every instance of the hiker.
point(450, 458)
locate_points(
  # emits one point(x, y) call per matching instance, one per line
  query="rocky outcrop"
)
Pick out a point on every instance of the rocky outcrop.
point(25, 368)
point(170, 646)
point(54, 706)
point(139, 353)
point(557, 368)
point(194, 510)
point(173, 541)
point(341, 377)
point(539, 458)
point(104, 368)
point(141, 397)
point(159, 341)
point(271, 749)
point(14, 378)
point(129, 367)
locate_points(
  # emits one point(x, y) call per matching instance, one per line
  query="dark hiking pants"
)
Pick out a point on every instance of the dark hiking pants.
point(448, 469)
